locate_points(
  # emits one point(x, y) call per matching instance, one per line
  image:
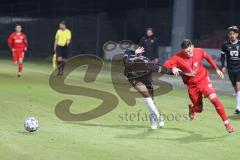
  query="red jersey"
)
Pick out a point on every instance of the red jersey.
point(17, 41)
point(191, 64)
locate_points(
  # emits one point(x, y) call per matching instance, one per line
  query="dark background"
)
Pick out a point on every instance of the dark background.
point(94, 22)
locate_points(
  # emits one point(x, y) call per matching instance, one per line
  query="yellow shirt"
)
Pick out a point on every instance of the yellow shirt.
point(62, 36)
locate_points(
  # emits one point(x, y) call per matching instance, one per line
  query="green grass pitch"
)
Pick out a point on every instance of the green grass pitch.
point(110, 137)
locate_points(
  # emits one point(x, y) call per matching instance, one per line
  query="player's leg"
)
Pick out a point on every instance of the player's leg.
point(15, 57)
point(220, 110)
point(142, 89)
point(209, 91)
point(195, 96)
point(64, 57)
point(20, 63)
point(237, 91)
point(156, 115)
point(59, 51)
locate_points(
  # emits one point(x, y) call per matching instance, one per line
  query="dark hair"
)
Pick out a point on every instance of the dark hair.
point(186, 43)
point(233, 28)
point(18, 25)
point(63, 22)
point(149, 29)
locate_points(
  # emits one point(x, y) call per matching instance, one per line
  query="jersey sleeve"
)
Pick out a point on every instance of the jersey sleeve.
point(10, 41)
point(25, 41)
point(209, 59)
point(171, 63)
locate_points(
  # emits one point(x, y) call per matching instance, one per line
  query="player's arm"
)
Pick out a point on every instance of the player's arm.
point(10, 42)
point(69, 38)
point(161, 69)
point(172, 66)
point(25, 42)
point(213, 64)
point(223, 57)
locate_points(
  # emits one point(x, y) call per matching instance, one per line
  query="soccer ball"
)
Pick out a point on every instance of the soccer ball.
point(31, 124)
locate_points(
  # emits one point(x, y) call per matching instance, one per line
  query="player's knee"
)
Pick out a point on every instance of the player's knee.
point(212, 96)
point(59, 59)
point(145, 94)
point(20, 61)
point(237, 87)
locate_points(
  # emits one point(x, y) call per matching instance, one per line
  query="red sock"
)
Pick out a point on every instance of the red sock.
point(20, 68)
point(220, 109)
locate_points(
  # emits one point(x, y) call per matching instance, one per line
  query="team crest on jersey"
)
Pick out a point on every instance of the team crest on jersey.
point(195, 64)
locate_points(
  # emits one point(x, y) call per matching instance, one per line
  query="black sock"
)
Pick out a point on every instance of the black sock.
point(62, 67)
point(59, 64)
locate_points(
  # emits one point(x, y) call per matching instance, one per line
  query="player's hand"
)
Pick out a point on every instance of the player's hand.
point(176, 71)
point(139, 50)
point(13, 50)
point(223, 69)
point(220, 74)
point(25, 49)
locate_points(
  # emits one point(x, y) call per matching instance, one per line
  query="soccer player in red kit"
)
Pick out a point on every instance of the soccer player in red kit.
point(189, 60)
point(17, 42)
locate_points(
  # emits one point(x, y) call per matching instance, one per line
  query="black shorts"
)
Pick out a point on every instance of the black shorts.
point(62, 51)
point(234, 77)
point(146, 80)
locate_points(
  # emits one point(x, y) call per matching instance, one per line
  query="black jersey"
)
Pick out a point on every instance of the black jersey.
point(232, 53)
point(135, 65)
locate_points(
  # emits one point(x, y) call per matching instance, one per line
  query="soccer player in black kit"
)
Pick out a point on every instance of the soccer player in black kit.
point(138, 70)
point(231, 51)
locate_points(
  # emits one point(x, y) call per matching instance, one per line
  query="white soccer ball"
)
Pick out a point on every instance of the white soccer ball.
point(31, 124)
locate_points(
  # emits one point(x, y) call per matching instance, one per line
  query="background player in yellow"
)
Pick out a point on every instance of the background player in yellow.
point(61, 45)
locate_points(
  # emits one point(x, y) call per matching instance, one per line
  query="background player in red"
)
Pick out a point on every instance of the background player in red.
point(189, 60)
point(17, 42)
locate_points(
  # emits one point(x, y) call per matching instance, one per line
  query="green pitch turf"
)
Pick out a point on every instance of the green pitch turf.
point(113, 136)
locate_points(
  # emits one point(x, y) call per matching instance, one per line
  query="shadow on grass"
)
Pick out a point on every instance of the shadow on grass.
point(160, 134)
point(234, 117)
point(26, 133)
point(164, 134)
point(111, 126)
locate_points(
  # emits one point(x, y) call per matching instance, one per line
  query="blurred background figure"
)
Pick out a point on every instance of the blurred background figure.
point(17, 42)
point(150, 43)
point(61, 45)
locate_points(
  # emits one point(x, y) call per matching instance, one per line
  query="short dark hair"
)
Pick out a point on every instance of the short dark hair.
point(63, 22)
point(186, 43)
point(149, 29)
point(18, 25)
point(233, 28)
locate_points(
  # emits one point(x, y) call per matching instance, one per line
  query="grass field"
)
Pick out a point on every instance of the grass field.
point(111, 136)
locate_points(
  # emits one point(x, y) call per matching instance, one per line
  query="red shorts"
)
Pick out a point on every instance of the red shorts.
point(17, 55)
point(196, 92)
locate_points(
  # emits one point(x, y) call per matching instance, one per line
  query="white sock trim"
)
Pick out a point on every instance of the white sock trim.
point(226, 122)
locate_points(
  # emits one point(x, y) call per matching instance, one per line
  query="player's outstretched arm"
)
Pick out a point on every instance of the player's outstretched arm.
point(164, 70)
point(223, 57)
point(213, 64)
